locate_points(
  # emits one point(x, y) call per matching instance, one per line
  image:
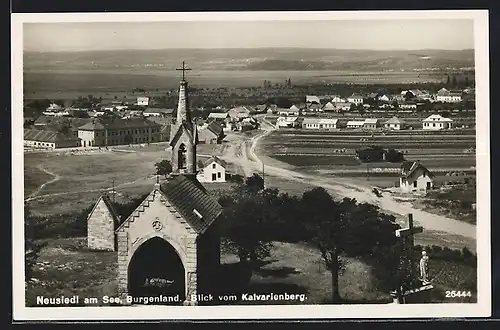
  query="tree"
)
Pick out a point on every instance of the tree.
point(243, 229)
point(164, 167)
point(454, 81)
point(344, 229)
point(254, 183)
point(32, 248)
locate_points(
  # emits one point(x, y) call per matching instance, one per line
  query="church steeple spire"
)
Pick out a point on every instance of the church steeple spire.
point(184, 135)
point(183, 113)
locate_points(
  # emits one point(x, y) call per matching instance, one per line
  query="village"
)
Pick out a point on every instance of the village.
point(115, 124)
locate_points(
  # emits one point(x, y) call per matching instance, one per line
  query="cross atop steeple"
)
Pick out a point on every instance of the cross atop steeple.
point(183, 69)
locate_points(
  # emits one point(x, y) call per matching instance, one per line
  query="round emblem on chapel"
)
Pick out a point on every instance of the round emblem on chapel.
point(157, 225)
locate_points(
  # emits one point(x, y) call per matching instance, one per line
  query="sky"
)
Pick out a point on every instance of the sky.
point(450, 34)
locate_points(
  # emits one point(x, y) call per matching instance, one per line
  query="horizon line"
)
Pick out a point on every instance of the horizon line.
point(249, 48)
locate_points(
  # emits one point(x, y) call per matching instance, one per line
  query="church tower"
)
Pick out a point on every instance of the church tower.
point(184, 134)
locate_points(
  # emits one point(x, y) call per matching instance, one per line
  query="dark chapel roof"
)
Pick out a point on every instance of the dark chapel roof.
point(192, 201)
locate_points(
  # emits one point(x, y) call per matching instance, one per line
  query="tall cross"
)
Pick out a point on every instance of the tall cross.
point(407, 237)
point(183, 69)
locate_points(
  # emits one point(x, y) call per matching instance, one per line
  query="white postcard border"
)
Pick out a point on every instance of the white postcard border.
point(480, 309)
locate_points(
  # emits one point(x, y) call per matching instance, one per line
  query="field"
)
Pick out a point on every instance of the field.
point(69, 84)
point(83, 177)
point(66, 267)
point(334, 151)
point(446, 154)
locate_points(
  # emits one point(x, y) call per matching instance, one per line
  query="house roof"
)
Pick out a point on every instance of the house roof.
point(221, 115)
point(44, 120)
point(215, 127)
point(355, 123)
point(437, 118)
point(109, 206)
point(214, 159)
point(288, 110)
point(355, 96)
point(443, 92)
point(394, 120)
point(312, 98)
point(99, 124)
point(294, 108)
point(161, 120)
point(46, 136)
point(314, 106)
point(190, 198)
point(320, 121)
point(287, 119)
point(159, 110)
point(371, 120)
point(409, 167)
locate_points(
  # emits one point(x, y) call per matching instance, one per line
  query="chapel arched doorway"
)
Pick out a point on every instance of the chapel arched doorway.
point(157, 270)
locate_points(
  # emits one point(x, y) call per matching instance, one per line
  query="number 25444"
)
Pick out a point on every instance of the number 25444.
point(458, 294)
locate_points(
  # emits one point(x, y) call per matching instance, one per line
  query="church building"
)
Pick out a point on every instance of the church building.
point(169, 247)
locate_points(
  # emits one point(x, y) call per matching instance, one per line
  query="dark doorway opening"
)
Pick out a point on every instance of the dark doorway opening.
point(156, 271)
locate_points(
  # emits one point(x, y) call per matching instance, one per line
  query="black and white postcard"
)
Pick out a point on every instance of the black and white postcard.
point(251, 165)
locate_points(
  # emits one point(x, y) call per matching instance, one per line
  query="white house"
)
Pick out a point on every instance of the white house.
point(337, 99)
point(312, 99)
point(54, 107)
point(321, 123)
point(384, 98)
point(221, 116)
point(157, 112)
point(287, 122)
point(355, 123)
point(408, 106)
point(371, 123)
point(394, 123)
point(436, 122)
point(143, 100)
point(212, 170)
point(450, 98)
point(415, 178)
point(292, 111)
point(355, 99)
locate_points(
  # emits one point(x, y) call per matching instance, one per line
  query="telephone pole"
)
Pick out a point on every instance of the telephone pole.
point(113, 191)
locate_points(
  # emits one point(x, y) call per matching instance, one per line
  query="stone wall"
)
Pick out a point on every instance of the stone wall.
point(101, 228)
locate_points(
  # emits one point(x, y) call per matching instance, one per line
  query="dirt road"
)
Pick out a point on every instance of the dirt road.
point(343, 187)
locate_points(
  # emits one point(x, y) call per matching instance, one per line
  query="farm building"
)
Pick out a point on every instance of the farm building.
point(312, 99)
point(211, 134)
point(219, 116)
point(408, 106)
point(384, 98)
point(394, 123)
point(287, 122)
point(314, 107)
point(415, 178)
point(109, 132)
point(292, 111)
point(338, 99)
point(355, 123)
point(436, 122)
point(444, 95)
point(101, 224)
point(355, 99)
point(321, 123)
point(158, 112)
point(143, 100)
point(212, 170)
point(371, 123)
point(46, 139)
point(239, 113)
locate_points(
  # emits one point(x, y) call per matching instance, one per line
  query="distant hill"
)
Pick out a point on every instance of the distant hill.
point(251, 59)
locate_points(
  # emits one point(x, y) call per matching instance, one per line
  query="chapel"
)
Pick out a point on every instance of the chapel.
point(169, 247)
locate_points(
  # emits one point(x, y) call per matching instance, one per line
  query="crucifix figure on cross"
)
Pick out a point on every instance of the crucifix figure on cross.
point(183, 69)
point(409, 283)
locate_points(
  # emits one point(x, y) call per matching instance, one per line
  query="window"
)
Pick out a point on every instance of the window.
point(219, 175)
point(414, 184)
point(213, 165)
point(96, 133)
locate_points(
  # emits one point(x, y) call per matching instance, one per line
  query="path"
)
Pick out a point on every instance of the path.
point(39, 189)
point(31, 198)
point(343, 187)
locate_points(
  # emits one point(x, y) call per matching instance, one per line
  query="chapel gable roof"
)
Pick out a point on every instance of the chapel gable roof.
point(409, 167)
point(192, 201)
point(109, 206)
